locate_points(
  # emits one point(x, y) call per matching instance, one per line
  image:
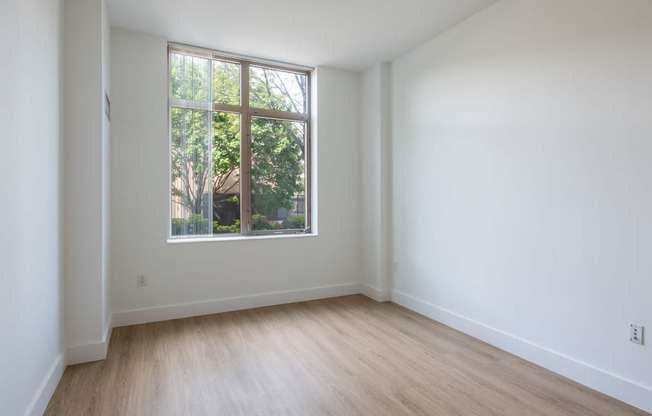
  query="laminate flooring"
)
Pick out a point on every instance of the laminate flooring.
point(340, 356)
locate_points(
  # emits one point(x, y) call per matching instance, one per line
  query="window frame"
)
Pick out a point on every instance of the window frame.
point(246, 113)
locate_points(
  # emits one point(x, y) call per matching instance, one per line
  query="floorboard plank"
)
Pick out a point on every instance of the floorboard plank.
point(339, 356)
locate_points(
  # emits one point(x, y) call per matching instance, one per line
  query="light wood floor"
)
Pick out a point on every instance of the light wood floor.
point(341, 356)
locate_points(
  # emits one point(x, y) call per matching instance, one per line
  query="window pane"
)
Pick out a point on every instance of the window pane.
point(191, 172)
point(277, 90)
point(226, 173)
point(277, 174)
point(226, 83)
point(190, 77)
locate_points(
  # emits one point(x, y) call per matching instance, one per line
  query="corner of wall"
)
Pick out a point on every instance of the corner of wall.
point(375, 164)
point(375, 293)
point(47, 387)
point(94, 351)
point(85, 183)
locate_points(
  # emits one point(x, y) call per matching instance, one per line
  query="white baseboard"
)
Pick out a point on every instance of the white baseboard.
point(164, 313)
point(94, 351)
point(47, 387)
point(86, 353)
point(610, 384)
point(379, 295)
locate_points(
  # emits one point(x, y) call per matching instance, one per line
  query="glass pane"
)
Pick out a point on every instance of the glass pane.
point(226, 83)
point(277, 174)
point(277, 90)
point(190, 77)
point(191, 172)
point(226, 173)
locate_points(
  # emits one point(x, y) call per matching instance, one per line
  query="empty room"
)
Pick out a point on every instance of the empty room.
point(363, 207)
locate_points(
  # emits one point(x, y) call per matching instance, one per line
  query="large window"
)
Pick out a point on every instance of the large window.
point(239, 146)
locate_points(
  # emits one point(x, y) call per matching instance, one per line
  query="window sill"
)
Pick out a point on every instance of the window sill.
point(238, 238)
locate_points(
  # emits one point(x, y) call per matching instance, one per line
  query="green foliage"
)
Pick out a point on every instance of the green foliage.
point(225, 229)
point(190, 156)
point(206, 169)
point(194, 225)
point(190, 77)
point(226, 156)
point(226, 83)
point(260, 222)
point(277, 90)
point(179, 226)
point(197, 224)
point(298, 221)
point(277, 164)
point(277, 147)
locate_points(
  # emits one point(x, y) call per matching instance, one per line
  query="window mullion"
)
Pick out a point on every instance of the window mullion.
point(308, 158)
point(226, 108)
point(210, 149)
point(245, 152)
point(279, 115)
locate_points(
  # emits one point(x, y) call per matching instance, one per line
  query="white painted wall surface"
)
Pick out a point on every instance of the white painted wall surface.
point(106, 205)
point(375, 176)
point(86, 187)
point(370, 176)
point(31, 347)
point(208, 271)
point(522, 145)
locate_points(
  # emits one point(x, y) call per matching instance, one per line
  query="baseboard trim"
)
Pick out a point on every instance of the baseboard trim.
point(94, 351)
point(379, 295)
point(164, 313)
point(47, 387)
point(612, 385)
point(86, 353)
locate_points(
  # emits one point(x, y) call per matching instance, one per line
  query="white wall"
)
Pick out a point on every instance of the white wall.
point(31, 347)
point(212, 271)
point(375, 176)
point(87, 135)
point(106, 175)
point(522, 145)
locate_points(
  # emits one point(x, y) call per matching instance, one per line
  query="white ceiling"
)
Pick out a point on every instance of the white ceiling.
point(348, 34)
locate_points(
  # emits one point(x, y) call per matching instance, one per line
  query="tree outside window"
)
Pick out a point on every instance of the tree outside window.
point(213, 128)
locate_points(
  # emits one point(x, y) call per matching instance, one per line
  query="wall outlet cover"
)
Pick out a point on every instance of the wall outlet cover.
point(142, 280)
point(636, 334)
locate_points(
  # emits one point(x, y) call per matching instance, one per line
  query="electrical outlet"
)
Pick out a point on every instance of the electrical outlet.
point(395, 266)
point(636, 334)
point(142, 280)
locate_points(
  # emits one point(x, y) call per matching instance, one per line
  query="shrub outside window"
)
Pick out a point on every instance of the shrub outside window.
point(239, 146)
